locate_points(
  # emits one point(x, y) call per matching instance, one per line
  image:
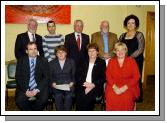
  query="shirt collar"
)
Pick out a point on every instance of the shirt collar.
point(77, 34)
point(30, 33)
point(30, 58)
point(106, 34)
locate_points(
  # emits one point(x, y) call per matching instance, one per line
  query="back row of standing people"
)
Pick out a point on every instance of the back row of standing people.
point(75, 42)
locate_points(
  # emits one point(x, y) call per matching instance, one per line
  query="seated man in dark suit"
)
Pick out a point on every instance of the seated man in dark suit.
point(32, 77)
point(28, 36)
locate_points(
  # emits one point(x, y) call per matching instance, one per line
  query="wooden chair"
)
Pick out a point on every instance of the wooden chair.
point(11, 83)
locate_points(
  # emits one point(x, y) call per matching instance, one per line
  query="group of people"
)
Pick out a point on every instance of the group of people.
point(76, 70)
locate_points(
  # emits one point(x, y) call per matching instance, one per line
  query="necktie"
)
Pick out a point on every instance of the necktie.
point(32, 83)
point(33, 37)
point(78, 41)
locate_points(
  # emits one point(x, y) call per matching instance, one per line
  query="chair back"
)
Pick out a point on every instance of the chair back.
point(11, 70)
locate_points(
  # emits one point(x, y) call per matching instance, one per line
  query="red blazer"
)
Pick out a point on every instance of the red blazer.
point(127, 74)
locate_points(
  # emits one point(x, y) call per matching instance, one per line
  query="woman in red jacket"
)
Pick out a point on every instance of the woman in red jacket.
point(122, 88)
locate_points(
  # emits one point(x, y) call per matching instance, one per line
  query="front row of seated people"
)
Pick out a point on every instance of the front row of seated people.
point(35, 76)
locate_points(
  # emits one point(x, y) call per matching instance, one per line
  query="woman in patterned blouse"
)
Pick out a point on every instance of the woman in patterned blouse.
point(135, 42)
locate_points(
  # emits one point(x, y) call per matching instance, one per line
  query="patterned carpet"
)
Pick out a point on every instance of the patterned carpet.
point(148, 103)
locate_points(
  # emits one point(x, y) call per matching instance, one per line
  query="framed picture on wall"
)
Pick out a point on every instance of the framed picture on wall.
point(61, 14)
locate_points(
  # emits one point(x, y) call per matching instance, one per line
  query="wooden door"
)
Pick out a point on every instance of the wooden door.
point(149, 61)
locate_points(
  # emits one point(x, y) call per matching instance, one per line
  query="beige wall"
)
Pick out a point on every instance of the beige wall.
point(91, 15)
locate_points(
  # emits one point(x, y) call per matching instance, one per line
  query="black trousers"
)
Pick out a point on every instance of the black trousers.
point(63, 100)
point(139, 61)
point(85, 102)
point(26, 105)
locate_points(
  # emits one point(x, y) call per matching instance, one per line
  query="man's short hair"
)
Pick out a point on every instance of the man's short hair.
point(51, 21)
point(30, 43)
point(78, 21)
point(32, 19)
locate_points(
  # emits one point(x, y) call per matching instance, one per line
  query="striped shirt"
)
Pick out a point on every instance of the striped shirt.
point(49, 44)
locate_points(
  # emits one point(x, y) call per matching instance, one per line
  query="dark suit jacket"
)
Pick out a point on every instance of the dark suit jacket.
point(23, 76)
point(21, 42)
point(98, 38)
point(62, 76)
point(98, 78)
point(72, 48)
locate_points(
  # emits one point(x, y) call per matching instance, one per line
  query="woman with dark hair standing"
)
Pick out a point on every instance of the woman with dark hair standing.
point(135, 42)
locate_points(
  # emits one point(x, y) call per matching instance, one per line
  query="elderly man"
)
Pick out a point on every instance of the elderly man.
point(28, 36)
point(105, 40)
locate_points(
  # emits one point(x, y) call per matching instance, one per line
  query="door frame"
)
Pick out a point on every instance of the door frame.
point(149, 15)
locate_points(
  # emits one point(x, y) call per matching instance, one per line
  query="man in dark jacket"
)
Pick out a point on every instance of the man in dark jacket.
point(76, 43)
point(29, 36)
point(32, 77)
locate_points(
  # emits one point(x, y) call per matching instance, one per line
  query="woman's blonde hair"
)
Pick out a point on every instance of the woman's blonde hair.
point(120, 44)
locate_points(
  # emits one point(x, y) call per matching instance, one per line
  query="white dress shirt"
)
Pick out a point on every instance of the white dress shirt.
point(30, 36)
point(89, 73)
